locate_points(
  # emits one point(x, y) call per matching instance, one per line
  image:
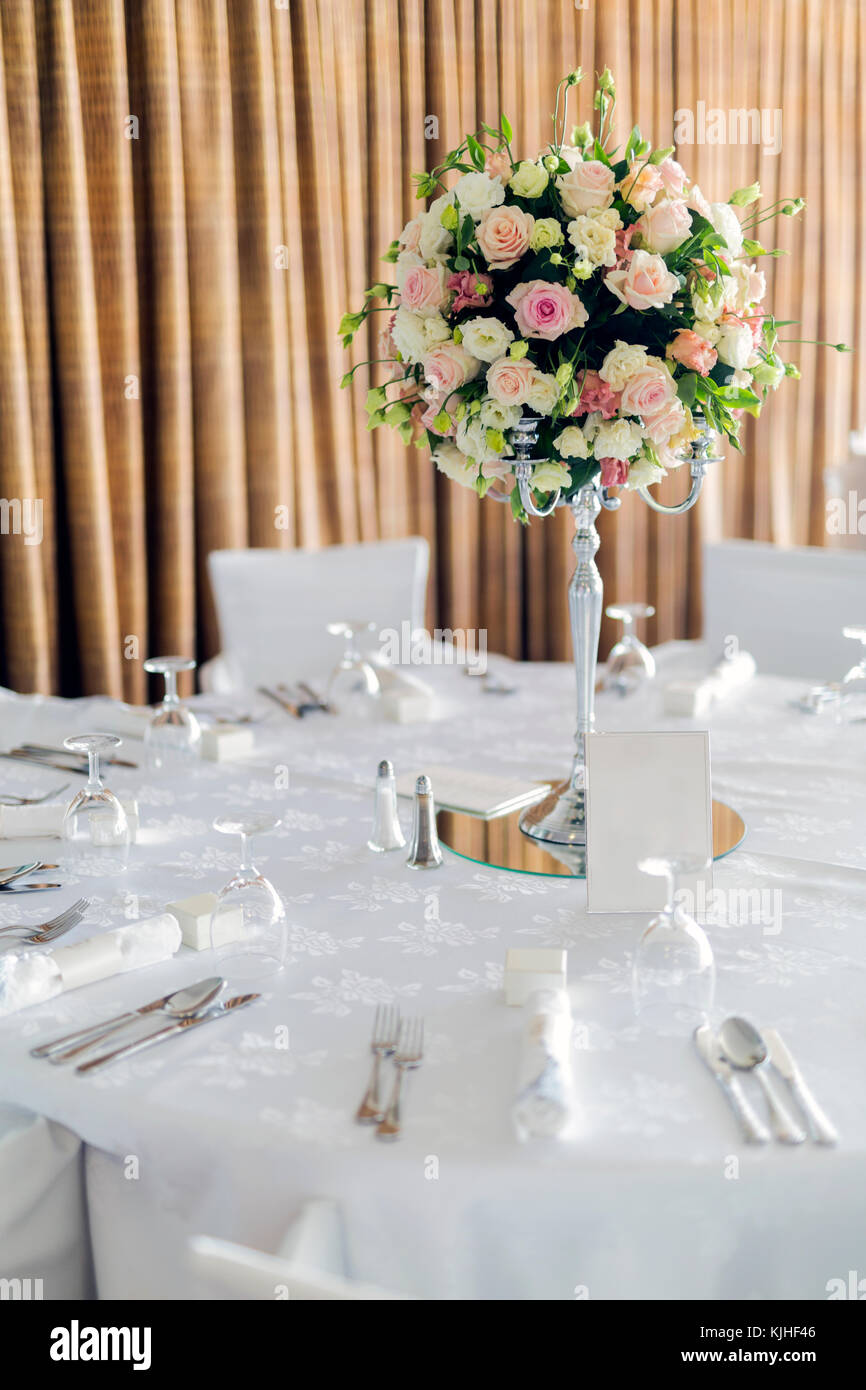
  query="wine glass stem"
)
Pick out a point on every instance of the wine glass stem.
point(170, 697)
point(247, 867)
point(94, 781)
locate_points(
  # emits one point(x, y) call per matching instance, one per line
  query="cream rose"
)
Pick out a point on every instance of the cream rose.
point(546, 233)
point(449, 366)
point(617, 439)
point(648, 391)
point(572, 443)
point(503, 236)
point(735, 344)
point(665, 227)
point(529, 180)
point(621, 363)
point(477, 192)
point(643, 473)
point(588, 185)
point(543, 392)
point(486, 338)
point(550, 475)
point(664, 423)
point(640, 185)
point(509, 380)
point(645, 284)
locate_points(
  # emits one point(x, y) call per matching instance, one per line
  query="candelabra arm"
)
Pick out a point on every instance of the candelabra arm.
point(523, 472)
point(699, 460)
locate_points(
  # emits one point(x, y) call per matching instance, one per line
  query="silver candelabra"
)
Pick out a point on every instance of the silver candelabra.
point(560, 818)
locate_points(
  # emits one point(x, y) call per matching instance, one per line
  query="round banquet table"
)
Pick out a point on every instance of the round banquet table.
point(227, 1132)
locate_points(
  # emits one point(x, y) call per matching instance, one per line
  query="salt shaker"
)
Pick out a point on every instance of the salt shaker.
point(424, 852)
point(386, 823)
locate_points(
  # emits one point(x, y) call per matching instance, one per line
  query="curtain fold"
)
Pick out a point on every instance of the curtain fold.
point(192, 192)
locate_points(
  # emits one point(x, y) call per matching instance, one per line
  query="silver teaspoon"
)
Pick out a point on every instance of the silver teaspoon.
point(746, 1050)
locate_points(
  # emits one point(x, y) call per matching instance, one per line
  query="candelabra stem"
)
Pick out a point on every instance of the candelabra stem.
point(560, 819)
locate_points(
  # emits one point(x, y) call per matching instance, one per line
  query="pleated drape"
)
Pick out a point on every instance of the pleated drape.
point(191, 193)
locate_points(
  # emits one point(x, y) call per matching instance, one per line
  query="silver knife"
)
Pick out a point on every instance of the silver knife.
point(20, 871)
point(230, 1006)
point(820, 1128)
point(754, 1130)
point(29, 887)
point(202, 990)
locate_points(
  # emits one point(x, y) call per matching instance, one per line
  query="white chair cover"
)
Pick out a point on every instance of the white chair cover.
point(786, 607)
point(273, 606)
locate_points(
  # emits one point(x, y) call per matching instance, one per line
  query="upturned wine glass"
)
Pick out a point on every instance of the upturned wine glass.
point(354, 687)
point(173, 735)
point(673, 973)
point(248, 923)
point(95, 829)
point(630, 663)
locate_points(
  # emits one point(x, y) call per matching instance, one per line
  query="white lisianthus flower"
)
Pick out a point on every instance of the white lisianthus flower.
point(415, 335)
point(572, 443)
point(742, 379)
point(498, 416)
point(548, 476)
point(486, 338)
point(617, 439)
point(529, 180)
point(735, 345)
point(709, 331)
point(454, 464)
point(543, 392)
point(477, 192)
point(608, 217)
point(727, 224)
point(591, 424)
point(593, 241)
point(621, 363)
point(547, 232)
point(643, 473)
point(434, 239)
point(707, 309)
point(471, 439)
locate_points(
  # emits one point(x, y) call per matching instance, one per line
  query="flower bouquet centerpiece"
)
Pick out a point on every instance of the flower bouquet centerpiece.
point(566, 324)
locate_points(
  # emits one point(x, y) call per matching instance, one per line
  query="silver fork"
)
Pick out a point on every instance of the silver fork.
point(386, 1030)
point(408, 1057)
point(45, 931)
point(7, 798)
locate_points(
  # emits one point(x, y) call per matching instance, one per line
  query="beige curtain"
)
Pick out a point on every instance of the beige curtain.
point(192, 191)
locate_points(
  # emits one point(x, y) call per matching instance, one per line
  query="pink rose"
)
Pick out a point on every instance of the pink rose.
point(646, 284)
point(622, 250)
point(673, 177)
point(472, 290)
point(665, 227)
point(666, 422)
point(647, 392)
point(698, 203)
point(545, 310)
point(614, 472)
point(503, 235)
point(498, 162)
point(588, 185)
point(423, 289)
point(692, 351)
point(595, 394)
point(509, 381)
point(410, 237)
point(640, 185)
point(449, 366)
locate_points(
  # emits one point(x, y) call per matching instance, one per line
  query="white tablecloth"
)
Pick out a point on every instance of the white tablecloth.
point(226, 1132)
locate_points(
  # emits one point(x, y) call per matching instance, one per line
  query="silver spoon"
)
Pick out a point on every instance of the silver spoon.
point(181, 1004)
point(746, 1050)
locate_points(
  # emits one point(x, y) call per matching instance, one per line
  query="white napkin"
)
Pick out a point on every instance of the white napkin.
point(45, 821)
point(544, 1105)
point(32, 976)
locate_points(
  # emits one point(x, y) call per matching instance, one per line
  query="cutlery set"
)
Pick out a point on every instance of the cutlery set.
point(401, 1040)
point(738, 1048)
point(184, 1009)
point(47, 931)
point(10, 879)
point(297, 700)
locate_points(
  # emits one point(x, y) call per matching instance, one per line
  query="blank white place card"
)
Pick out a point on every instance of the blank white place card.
point(648, 796)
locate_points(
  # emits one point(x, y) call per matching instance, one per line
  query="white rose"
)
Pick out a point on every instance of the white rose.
point(727, 224)
point(543, 393)
point(476, 192)
point(572, 443)
point(498, 416)
point(529, 180)
point(593, 241)
point(643, 473)
point(486, 338)
point(608, 217)
point(621, 363)
point(735, 345)
point(414, 336)
point(455, 465)
point(617, 439)
point(548, 476)
point(435, 239)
